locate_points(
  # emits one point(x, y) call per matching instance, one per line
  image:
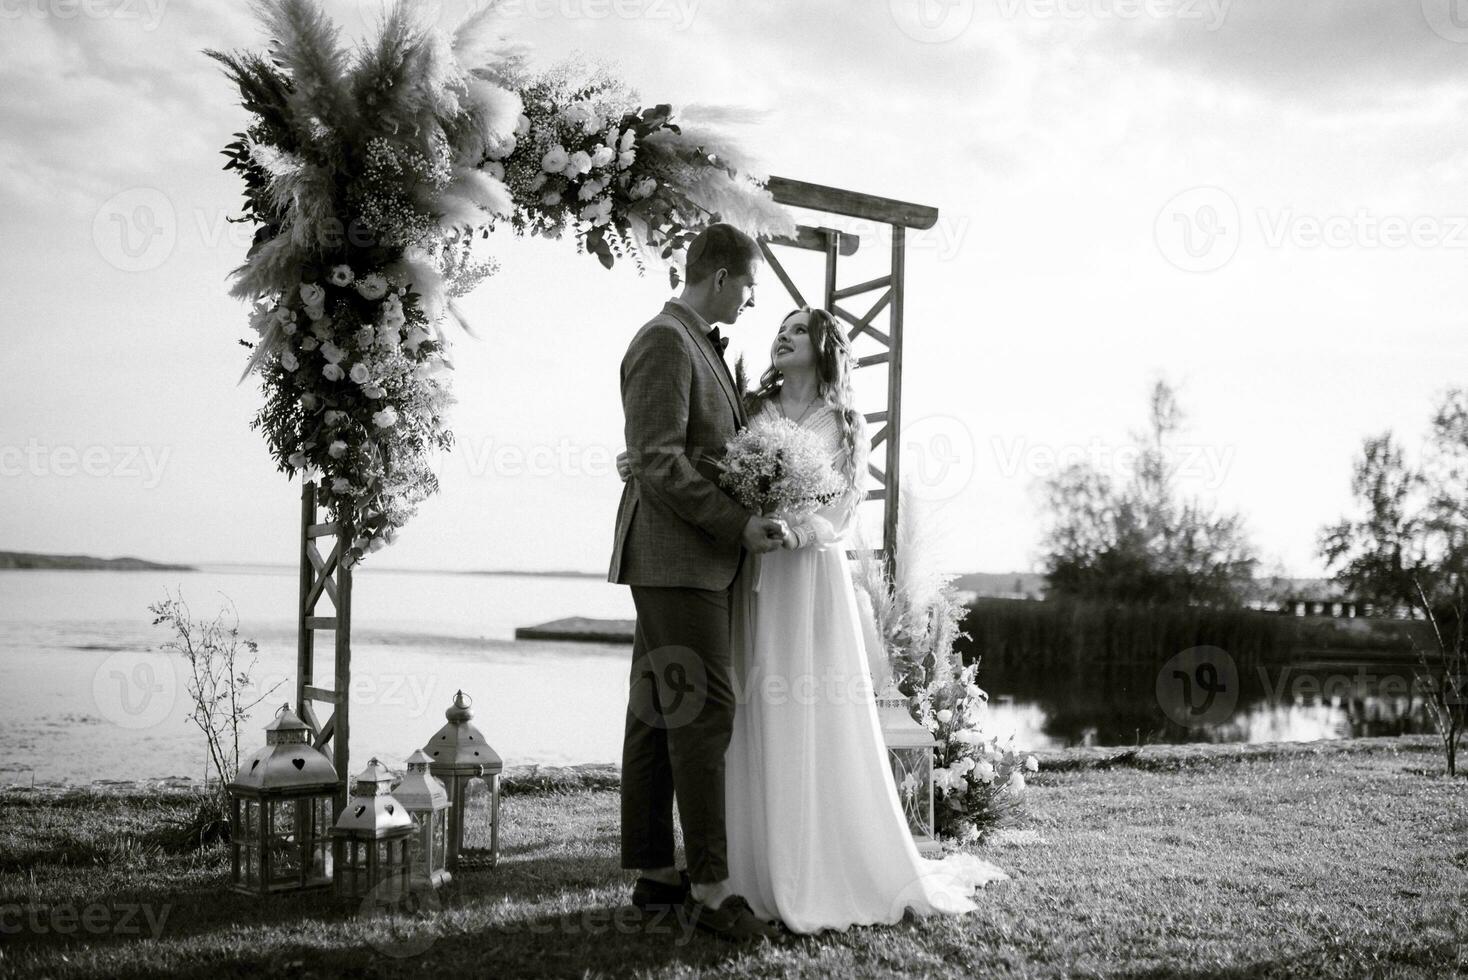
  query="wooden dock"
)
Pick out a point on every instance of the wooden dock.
point(579, 629)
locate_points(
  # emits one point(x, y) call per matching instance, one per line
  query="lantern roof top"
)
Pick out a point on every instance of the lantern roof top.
point(459, 748)
point(371, 811)
point(419, 790)
point(288, 764)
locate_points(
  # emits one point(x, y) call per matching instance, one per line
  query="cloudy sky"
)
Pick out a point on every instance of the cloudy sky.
point(1262, 202)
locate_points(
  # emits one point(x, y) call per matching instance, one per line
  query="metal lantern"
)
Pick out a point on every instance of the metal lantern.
point(910, 749)
point(280, 812)
point(371, 839)
point(460, 757)
point(427, 802)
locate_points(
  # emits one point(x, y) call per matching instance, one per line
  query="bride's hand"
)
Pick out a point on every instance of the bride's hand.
point(624, 469)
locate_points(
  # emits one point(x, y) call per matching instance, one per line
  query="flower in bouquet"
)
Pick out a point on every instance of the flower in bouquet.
point(776, 467)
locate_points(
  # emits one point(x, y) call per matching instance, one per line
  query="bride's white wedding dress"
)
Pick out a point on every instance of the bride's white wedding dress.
point(816, 834)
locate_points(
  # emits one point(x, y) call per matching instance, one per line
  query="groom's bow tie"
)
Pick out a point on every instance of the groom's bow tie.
point(722, 343)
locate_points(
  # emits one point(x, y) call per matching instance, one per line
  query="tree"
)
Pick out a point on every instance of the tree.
point(1407, 548)
point(1140, 541)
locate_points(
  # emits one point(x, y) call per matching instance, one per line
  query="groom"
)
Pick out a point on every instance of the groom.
point(680, 541)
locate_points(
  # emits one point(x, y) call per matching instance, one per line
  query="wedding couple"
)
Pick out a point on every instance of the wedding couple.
point(753, 708)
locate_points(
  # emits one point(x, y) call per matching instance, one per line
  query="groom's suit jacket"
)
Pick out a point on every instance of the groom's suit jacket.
point(675, 525)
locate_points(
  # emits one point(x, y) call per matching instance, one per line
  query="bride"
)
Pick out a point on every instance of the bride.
point(817, 837)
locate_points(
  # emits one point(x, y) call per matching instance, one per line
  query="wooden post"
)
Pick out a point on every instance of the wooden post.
point(332, 577)
point(894, 398)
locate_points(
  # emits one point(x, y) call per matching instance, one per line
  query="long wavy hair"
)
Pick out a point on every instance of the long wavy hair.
point(834, 366)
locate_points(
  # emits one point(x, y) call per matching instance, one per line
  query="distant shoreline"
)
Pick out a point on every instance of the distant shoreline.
point(37, 561)
point(32, 561)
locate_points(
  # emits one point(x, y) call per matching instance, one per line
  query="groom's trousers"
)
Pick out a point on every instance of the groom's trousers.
point(680, 716)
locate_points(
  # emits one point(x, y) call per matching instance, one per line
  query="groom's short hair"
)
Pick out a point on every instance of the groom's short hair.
point(721, 246)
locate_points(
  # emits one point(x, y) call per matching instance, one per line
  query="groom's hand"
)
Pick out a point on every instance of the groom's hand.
point(763, 534)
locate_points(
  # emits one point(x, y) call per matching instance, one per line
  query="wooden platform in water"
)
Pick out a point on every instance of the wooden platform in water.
point(579, 629)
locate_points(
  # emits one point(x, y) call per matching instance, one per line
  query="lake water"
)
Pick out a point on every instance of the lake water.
point(86, 693)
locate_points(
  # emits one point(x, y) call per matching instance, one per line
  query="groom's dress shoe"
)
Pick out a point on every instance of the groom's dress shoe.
point(651, 896)
point(733, 920)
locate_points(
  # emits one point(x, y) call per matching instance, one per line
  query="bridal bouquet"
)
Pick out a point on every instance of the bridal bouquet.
point(776, 467)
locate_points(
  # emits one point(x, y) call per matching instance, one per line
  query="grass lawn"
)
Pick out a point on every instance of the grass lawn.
point(1343, 863)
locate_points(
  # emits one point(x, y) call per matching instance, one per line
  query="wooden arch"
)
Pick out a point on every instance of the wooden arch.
point(899, 216)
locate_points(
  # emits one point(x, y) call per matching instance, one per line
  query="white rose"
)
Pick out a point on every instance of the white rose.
point(387, 335)
point(577, 164)
point(298, 459)
point(308, 401)
point(365, 336)
point(289, 326)
point(645, 187)
point(360, 374)
point(945, 716)
point(597, 213)
point(554, 160)
point(332, 352)
point(333, 416)
point(337, 449)
point(602, 155)
point(628, 139)
point(625, 158)
point(312, 294)
point(385, 419)
point(341, 275)
point(551, 199)
point(289, 362)
point(372, 286)
point(1032, 764)
point(374, 391)
point(590, 189)
point(984, 771)
point(321, 329)
point(309, 343)
point(576, 114)
point(340, 485)
point(332, 372)
point(522, 125)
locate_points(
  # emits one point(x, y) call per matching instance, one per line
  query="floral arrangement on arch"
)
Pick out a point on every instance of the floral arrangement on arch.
point(978, 778)
point(374, 177)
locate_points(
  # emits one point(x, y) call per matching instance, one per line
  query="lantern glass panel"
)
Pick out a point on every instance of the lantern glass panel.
point(912, 771)
point(439, 840)
point(480, 811)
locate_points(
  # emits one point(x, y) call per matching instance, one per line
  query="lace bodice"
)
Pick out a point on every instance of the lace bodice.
point(828, 526)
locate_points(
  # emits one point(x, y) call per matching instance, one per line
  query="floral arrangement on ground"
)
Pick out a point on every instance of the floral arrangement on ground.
point(978, 777)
